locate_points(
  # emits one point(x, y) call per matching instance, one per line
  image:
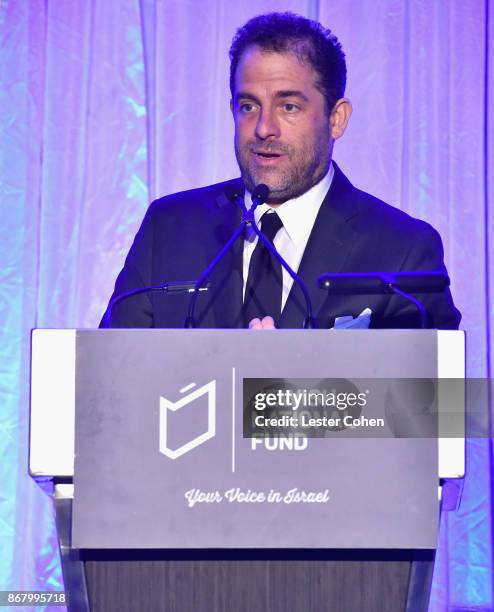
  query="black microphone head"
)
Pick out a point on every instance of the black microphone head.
point(260, 194)
point(233, 192)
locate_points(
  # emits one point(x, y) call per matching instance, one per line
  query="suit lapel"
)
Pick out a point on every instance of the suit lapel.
point(329, 246)
point(226, 279)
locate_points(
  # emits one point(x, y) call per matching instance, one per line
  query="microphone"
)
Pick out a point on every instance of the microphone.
point(234, 195)
point(378, 283)
point(259, 196)
point(169, 287)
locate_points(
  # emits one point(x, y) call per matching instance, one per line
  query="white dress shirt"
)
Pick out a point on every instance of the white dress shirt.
point(298, 217)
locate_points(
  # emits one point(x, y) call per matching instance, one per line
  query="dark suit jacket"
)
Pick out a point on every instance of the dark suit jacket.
point(353, 232)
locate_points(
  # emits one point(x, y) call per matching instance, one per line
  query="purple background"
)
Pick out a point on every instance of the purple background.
point(105, 105)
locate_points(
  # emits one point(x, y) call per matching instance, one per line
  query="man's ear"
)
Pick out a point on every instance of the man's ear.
point(231, 106)
point(340, 116)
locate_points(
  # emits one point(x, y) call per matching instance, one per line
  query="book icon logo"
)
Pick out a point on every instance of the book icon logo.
point(167, 407)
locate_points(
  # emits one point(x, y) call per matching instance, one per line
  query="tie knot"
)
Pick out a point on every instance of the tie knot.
point(270, 224)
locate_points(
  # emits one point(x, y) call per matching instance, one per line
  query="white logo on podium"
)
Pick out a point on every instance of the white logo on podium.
point(167, 406)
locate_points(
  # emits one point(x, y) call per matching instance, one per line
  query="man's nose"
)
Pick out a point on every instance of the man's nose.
point(267, 125)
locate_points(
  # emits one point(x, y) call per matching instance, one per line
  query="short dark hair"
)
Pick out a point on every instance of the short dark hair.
point(307, 39)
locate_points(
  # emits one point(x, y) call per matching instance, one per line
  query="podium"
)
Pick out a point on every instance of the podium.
point(167, 497)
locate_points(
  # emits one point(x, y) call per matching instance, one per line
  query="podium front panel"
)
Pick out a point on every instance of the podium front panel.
point(161, 460)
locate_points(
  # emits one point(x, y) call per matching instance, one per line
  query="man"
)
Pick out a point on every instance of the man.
point(287, 81)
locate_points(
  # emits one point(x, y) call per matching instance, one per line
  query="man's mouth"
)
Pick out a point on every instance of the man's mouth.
point(267, 154)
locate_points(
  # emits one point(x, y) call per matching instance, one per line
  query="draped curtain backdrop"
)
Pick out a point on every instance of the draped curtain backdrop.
point(106, 105)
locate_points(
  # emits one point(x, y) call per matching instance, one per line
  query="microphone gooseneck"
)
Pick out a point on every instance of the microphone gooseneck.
point(235, 196)
point(259, 195)
point(169, 287)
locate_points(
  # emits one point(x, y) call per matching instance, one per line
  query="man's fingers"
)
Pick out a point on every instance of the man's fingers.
point(268, 323)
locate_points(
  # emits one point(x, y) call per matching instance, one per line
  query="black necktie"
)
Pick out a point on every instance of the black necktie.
point(265, 280)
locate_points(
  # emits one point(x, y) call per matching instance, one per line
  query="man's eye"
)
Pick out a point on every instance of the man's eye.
point(290, 108)
point(246, 107)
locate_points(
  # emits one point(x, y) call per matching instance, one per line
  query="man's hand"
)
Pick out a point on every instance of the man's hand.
point(266, 323)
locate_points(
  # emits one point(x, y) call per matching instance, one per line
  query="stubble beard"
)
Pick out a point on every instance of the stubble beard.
point(309, 167)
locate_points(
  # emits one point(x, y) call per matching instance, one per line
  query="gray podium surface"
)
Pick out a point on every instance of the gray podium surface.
point(159, 415)
point(134, 489)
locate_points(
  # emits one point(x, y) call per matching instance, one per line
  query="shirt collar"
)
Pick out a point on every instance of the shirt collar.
point(298, 214)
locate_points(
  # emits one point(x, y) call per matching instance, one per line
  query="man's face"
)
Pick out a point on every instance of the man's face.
point(282, 131)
